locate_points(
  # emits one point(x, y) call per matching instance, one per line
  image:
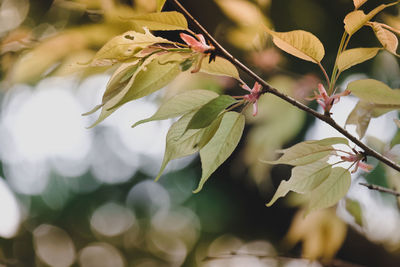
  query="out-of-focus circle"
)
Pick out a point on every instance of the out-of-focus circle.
point(53, 246)
point(100, 255)
point(12, 14)
point(147, 198)
point(112, 219)
point(9, 210)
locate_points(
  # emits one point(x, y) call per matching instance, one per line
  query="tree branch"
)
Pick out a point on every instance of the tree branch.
point(221, 51)
point(381, 189)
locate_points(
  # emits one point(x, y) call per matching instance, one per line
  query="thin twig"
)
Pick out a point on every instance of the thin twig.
point(381, 189)
point(269, 89)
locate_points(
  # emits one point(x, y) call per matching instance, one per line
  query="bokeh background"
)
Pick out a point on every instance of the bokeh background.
point(71, 196)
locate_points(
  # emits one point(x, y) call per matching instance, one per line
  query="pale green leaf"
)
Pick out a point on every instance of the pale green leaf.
point(362, 113)
point(220, 66)
point(161, 21)
point(307, 152)
point(355, 56)
point(181, 104)
point(304, 179)
point(210, 111)
point(221, 145)
point(148, 78)
point(300, 44)
point(124, 46)
point(354, 208)
point(358, 3)
point(153, 77)
point(181, 143)
point(331, 190)
point(388, 39)
point(329, 141)
point(356, 19)
point(374, 91)
point(160, 5)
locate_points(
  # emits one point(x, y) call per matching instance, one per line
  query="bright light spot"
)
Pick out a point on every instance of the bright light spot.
point(9, 210)
point(53, 246)
point(112, 219)
point(182, 223)
point(48, 124)
point(28, 178)
point(12, 14)
point(100, 255)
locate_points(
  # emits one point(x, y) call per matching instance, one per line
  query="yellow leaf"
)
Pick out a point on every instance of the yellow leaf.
point(355, 56)
point(356, 19)
point(160, 4)
point(358, 3)
point(125, 46)
point(322, 234)
point(161, 21)
point(300, 44)
point(386, 38)
point(220, 66)
point(242, 12)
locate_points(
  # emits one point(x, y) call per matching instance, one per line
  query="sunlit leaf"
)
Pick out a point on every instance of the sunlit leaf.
point(161, 21)
point(331, 190)
point(160, 4)
point(354, 208)
point(210, 111)
point(124, 46)
point(304, 179)
point(388, 39)
point(181, 104)
point(242, 12)
point(355, 56)
point(300, 44)
point(356, 19)
point(220, 66)
point(358, 3)
point(307, 152)
point(221, 145)
point(374, 91)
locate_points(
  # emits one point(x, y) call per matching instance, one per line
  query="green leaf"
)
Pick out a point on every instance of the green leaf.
point(157, 74)
point(161, 21)
point(300, 44)
point(221, 145)
point(331, 190)
point(180, 143)
point(148, 78)
point(303, 180)
point(356, 19)
point(181, 104)
point(374, 91)
point(362, 113)
point(307, 152)
point(355, 56)
point(160, 5)
point(124, 46)
point(354, 208)
point(220, 66)
point(210, 111)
